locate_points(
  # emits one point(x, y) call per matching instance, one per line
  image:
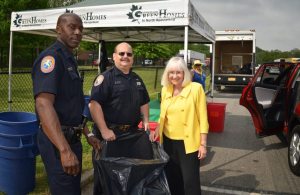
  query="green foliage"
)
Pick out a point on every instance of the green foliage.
point(165, 50)
point(151, 50)
point(263, 56)
point(24, 55)
point(7, 7)
point(87, 46)
point(60, 3)
point(200, 48)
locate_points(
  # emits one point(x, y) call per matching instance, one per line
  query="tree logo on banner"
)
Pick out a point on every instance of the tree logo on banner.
point(69, 11)
point(135, 13)
point(18, 20)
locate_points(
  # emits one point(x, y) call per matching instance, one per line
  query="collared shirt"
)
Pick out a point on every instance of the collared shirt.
point(55, 71)
point(120, 96)
point(192, 101)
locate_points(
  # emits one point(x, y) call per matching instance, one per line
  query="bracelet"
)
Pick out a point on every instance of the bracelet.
point(203, 145)
point(90, 134)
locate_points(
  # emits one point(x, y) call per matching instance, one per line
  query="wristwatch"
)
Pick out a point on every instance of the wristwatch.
point(90, 134)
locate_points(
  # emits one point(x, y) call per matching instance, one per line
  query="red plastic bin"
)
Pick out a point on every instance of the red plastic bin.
point(216, 116)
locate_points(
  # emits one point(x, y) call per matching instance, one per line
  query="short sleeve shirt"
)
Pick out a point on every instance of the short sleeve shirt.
point(120, 96)
point(55, 71)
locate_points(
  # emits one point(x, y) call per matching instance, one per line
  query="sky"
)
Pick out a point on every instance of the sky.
point(276, 22)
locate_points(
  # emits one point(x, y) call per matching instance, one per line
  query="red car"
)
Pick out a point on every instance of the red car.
point(273, 100)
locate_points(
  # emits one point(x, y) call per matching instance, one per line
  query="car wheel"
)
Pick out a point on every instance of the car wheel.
point(294, 151)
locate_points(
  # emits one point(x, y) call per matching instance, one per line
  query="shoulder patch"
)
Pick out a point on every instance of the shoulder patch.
point(47, 64)
point(99, 80)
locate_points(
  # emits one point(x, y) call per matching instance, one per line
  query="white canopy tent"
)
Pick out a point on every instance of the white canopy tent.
point(121, 20)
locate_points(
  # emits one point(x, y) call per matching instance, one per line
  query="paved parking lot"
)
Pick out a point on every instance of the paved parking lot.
point(241, 162)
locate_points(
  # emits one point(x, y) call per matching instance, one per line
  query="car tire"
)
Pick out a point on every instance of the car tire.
point(294, 150)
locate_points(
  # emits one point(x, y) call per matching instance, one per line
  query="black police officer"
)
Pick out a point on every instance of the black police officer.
point(118, 100)
point(59, 103)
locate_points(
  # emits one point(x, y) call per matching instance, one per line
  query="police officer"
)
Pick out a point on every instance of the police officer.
point(118, 100)
point(59, 103)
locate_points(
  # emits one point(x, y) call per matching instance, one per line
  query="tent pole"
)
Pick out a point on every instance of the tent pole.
point(99, 56)
point(186, 33)
point(10, 70)
point(213, 69)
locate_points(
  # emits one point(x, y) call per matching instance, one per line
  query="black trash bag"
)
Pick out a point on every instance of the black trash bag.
point(129, 175)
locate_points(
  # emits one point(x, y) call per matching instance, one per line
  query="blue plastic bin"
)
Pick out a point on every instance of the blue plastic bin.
point(18, 150)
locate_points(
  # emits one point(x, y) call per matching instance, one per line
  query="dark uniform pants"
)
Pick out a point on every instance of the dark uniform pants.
point(182, 170)
point(59, 182)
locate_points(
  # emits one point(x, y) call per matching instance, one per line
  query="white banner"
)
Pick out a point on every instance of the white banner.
point(199, 24)
point(159, 13)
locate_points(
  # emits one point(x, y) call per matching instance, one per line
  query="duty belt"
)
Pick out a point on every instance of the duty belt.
point(122, 127)
point(72, 134)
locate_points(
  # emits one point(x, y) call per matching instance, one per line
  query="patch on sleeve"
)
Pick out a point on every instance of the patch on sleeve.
point(99, 80)
point(47, 64)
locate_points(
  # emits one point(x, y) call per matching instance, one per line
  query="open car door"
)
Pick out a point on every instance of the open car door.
point(266, 97)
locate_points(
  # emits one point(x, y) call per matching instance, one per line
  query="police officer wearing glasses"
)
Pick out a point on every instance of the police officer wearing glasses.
point(59, 103)
point(118, 100)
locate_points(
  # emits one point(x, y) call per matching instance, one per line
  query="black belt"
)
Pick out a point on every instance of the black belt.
point(122, 128)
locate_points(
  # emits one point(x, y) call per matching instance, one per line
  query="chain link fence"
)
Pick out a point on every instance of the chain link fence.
point(22, 93)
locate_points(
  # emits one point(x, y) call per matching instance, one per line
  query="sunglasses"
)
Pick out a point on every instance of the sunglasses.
point(127, 53)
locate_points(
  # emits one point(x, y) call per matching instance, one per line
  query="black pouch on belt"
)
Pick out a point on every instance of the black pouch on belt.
point(72, 134)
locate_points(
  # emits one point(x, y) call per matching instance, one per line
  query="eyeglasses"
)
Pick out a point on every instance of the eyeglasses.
point(123, 54)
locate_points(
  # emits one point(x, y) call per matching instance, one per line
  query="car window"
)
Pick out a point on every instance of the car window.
point(273, 74)
point(295, 94)
point(297, 79)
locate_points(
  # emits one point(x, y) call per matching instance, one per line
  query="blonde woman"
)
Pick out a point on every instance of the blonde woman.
point(183, 127)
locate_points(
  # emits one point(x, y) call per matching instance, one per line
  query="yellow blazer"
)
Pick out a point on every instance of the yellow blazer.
point(193, 99)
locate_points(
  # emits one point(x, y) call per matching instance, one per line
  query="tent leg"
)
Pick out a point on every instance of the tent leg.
point(213, 70)
point(10, 70)
point(186, 34)
point(99, 56)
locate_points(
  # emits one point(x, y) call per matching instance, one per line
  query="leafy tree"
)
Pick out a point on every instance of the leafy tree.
point(295, 53)
point(200, 48)
point(26, 46)
point(20, 40)
point(165, 50)
point(60, 3)
point(151, 50)
point(7, 7)
point(263, 56)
